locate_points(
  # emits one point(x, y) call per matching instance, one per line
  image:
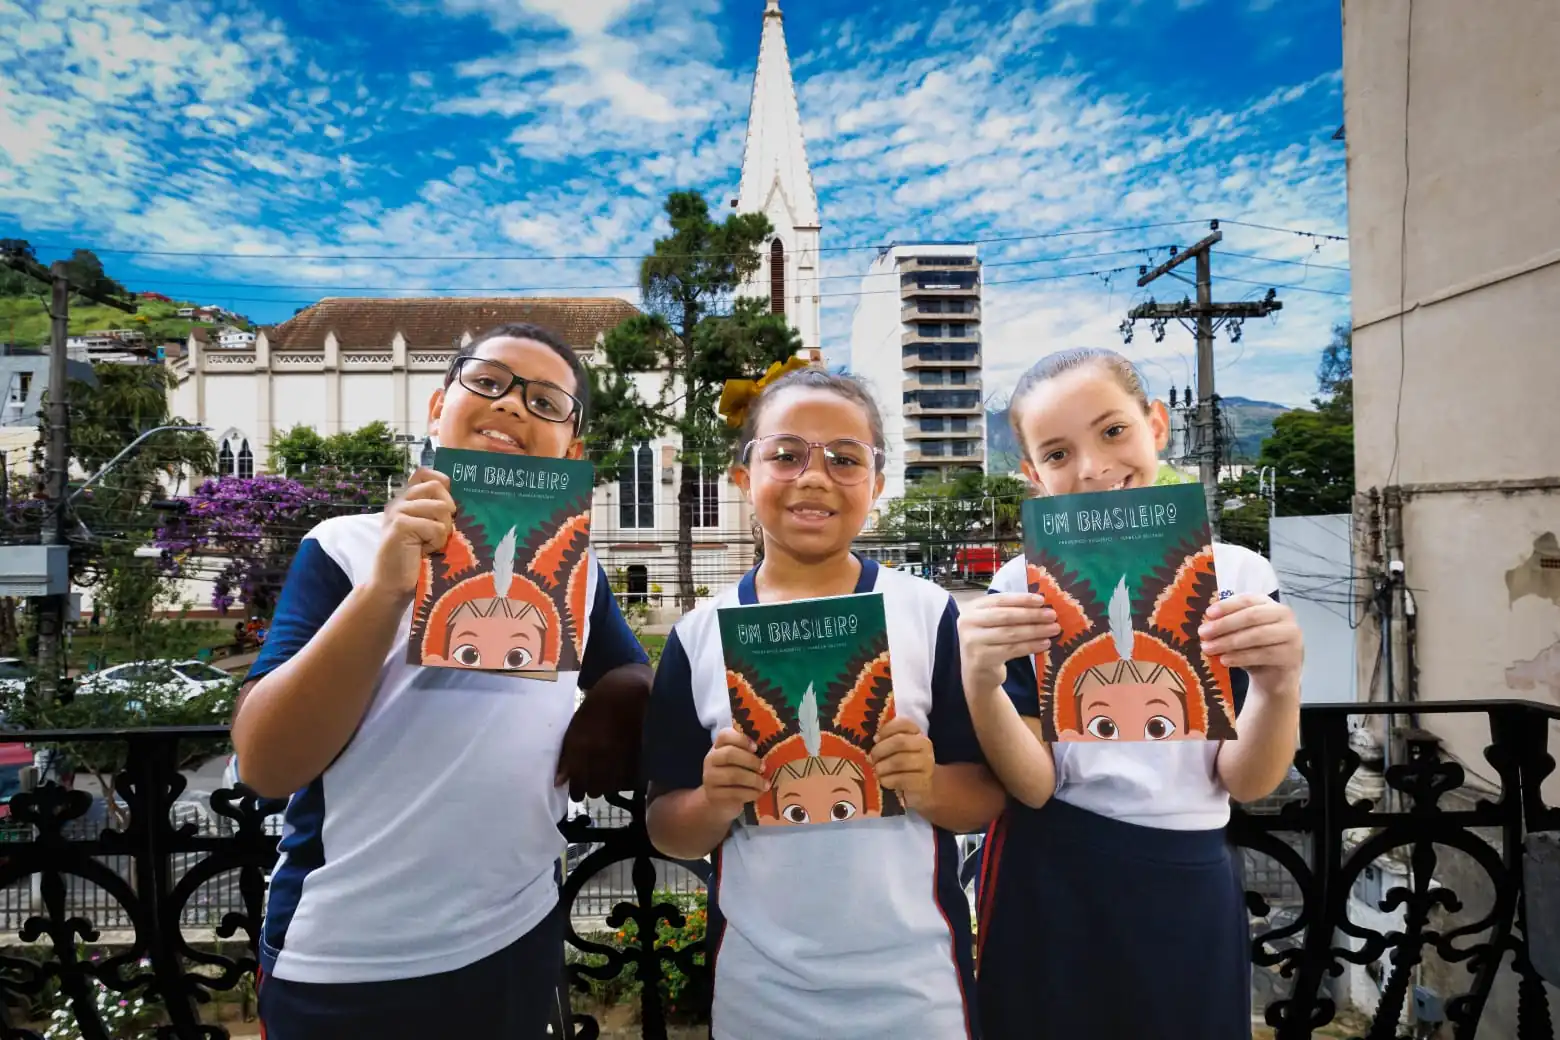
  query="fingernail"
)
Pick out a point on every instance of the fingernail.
point(1204, 630)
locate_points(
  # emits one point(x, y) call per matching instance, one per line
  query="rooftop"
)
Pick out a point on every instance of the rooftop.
point(439, 321)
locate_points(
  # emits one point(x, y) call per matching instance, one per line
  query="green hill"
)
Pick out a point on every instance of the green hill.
point(24, 321)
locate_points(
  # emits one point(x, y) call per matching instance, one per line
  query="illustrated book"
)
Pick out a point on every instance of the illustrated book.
point(1130, 575)
point(508, 591)
point(811, 684)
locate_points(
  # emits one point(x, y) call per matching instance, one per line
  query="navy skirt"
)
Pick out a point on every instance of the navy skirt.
point(1094, 929)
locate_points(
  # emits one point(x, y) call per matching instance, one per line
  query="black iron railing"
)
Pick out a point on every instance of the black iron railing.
point(1409, 885)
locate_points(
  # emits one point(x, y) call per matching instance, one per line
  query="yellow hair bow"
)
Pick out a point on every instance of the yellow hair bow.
point(739, 394)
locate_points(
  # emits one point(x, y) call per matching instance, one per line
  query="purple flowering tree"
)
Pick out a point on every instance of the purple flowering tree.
point(241, 533)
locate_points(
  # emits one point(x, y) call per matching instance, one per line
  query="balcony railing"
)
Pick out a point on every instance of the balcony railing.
point(1480, 870)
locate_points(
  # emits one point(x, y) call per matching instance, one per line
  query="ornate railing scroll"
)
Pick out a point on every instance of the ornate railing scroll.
point(1421, 810)
point(1421, 817)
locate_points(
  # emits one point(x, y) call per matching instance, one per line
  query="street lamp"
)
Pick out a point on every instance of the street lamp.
point(128, 448)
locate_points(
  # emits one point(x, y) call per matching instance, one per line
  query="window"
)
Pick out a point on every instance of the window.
point(958, 376)
point(933, 425)
point(636, 489)
point(929, 329)
point(234, 457)
point(963, 447)
point(958, 329)
point(776, 277)
point(960, 425)
point(706, 507)
point(638, 583)
point(201, 672)
point(932, 377)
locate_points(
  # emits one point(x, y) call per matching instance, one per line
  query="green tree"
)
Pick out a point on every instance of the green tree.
point(367, 452)
point(943, 516)
point(1311, 452)
point(694, 331)
point(86, 273)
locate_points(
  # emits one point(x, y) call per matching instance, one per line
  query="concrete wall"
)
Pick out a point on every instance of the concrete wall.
point(1477, 356)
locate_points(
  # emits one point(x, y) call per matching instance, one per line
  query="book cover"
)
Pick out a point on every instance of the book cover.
point(1130, 574)
point(810, 684)
point(508, 591)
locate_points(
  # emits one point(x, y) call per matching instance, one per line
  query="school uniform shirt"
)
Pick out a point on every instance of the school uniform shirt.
point(840, 930)
point(1169, 784)
point(430, 842)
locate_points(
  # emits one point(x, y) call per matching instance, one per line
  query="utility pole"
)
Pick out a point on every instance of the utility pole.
point(1203, 318)
point(54, 596)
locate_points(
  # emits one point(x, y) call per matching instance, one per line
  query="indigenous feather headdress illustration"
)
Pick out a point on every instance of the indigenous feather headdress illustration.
point(548, 574)
point(843, 723)
point(1163, 650)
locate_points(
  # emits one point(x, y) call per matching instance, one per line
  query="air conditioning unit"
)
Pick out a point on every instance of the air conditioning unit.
point(34, 570)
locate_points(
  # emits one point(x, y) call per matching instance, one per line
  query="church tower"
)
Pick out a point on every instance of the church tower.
point(777, 182)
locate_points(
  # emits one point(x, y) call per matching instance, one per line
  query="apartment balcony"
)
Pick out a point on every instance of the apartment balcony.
point(915, 456)
point(944, 263)
point(973, 430)
point(970, 410)
point(912, 364)
point(913, 382)
point(930, 285)
point(913, 336)
point(912, 311)
point(1387, 891)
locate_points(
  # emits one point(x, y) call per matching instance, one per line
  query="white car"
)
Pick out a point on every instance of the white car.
point(195, 676)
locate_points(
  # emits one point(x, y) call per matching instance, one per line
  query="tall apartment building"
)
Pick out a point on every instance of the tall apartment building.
point(916, 339)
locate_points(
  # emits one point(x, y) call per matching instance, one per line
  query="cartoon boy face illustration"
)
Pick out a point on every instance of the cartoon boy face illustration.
point(1131, 702)
point(819, 790)
point(1129, 698)
point(506, 634)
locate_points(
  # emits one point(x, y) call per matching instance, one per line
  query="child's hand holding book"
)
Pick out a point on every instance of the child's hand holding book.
point(733, 776)
point(904, 760)
point(417, 522)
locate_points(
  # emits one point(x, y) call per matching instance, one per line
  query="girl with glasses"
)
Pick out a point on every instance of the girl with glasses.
point(845, 930)
point(416, 893)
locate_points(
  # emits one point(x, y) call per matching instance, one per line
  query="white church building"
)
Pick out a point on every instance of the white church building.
point(348, 361)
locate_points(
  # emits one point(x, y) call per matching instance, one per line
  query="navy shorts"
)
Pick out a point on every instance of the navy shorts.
point(512, 995)
point(1095, 929)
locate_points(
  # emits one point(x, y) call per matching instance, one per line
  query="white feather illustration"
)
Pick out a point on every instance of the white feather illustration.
point(1121, 620)
point(504, 564)
point(807, 722)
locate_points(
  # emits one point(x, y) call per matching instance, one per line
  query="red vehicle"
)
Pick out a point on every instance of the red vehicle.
point(977, 561)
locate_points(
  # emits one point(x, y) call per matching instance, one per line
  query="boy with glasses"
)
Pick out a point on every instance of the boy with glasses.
point(416, 894)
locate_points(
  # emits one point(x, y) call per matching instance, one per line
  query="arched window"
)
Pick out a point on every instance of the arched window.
point(636, 489)
point(776, 277)
point(234, 457)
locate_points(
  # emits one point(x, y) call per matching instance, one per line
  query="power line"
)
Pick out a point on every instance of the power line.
point(607, 257)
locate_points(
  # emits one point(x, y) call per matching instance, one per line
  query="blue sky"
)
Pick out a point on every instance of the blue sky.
point(413, 135)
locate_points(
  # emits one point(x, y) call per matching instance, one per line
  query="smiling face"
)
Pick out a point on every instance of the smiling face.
point(1083, 431)
point(818, 790)
point(460, 418)
point(814, 517)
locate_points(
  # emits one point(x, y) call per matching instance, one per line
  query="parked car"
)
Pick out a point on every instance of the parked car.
point(14, 674)
point(196, 676)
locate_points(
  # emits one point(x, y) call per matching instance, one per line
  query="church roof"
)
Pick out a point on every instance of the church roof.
point(438, 321)
point(775, 150)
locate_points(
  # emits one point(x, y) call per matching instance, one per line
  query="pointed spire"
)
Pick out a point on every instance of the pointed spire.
point(775, 152)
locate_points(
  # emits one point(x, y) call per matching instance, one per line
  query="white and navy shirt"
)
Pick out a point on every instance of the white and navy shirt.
point(1169, 784)
point(845, 931)
point(430, 842)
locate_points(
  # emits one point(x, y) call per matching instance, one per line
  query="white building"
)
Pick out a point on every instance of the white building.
point(916, 340)
point(230, 338)
point(777, 181)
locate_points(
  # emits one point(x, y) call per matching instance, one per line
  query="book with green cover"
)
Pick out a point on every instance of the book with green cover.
point(810, 684)
point(1130, 574)
point(508, 591)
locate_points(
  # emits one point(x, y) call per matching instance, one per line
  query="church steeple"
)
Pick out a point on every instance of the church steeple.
point(777, 182)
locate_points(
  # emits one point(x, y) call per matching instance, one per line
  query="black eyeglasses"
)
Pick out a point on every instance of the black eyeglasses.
point(545, 400)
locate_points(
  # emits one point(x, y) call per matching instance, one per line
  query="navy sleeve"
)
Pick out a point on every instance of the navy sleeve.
point(611, 642)
point(676, 741)
point(314, 588)
point(951, 731)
